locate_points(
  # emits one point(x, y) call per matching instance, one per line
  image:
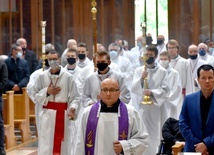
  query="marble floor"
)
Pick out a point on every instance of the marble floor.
point(27, 149)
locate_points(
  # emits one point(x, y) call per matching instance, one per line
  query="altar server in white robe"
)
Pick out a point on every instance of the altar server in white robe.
point(32, 80)
point(194, 62)
point(137, 52)
point(74, 70)
point(111, 127)
point(172, 106)
point(123, 62)
point(204, 54)
point(71, 66)
point(157, 91)
point(181, 65)
point(92, 83)
point(56, 91)
point(88, 70)
point(72, 43)
point(83, 52)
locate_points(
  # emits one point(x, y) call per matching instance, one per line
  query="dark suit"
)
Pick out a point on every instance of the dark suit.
point(18, 73)
point(190, 123)
point(32, 60)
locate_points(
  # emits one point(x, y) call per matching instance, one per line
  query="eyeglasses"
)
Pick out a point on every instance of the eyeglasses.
point(112, 90)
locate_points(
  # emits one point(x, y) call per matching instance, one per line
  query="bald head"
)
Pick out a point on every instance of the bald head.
point(139, 39)
point(192, 46)
point(192, 50)
point(203, 46)
point(110, 81)
point(22, 42)
point(72, 44)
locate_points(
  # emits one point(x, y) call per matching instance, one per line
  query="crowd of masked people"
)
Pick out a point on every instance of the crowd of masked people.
point(169, 96)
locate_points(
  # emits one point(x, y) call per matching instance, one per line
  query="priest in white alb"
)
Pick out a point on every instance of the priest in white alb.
point(110, 127)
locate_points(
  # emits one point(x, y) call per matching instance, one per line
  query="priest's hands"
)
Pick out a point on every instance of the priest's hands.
point(53, 90)
point(144, 74)
point(117, 147)
point(71, 114)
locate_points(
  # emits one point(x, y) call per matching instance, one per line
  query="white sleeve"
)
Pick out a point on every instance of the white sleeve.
point(138, 136)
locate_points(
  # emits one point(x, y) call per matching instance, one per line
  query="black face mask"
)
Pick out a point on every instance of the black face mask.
point(193, 57)
point(150, 60)
point(23, 49)
point(159, 41)
point(46, 63)
point(71, 61)
point(102, 66)
point(81, 56)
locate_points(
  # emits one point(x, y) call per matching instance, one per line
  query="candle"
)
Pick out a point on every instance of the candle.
point(43, 24)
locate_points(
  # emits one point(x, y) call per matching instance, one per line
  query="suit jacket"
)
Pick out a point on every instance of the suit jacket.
point(32, 60)
point(191, 125)
point(18, 73)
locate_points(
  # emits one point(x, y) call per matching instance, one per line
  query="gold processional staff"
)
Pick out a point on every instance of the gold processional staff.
point(144, 57)
point(94, 12)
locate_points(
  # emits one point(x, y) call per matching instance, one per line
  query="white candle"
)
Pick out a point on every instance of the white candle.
point(43, 24)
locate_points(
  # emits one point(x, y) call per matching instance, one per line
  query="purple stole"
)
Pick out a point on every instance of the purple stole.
point(92, 126)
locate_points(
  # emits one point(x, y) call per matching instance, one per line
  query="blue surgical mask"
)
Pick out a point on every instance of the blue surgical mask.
point(113, 54)
point(139, 44)
point(202, 52)
point(19, 55)
point(211, 50)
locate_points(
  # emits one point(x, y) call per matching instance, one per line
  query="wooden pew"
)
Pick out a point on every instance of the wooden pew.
point(21, 115)
point(176, 149)
point(32, 116)
point(32, 111)
point(8, 114)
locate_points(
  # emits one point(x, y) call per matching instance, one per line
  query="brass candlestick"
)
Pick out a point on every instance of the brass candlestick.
point(144, 57)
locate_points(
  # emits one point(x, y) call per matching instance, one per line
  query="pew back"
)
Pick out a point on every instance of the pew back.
point(8, 113)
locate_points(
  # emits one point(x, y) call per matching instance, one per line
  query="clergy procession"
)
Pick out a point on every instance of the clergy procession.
point(114, 100)
point(116, 103)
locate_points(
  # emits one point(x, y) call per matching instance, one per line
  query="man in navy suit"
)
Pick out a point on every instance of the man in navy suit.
point(197, 115)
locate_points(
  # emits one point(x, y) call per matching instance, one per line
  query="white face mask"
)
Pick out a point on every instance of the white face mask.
point(54, 64)
point(164, 63)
